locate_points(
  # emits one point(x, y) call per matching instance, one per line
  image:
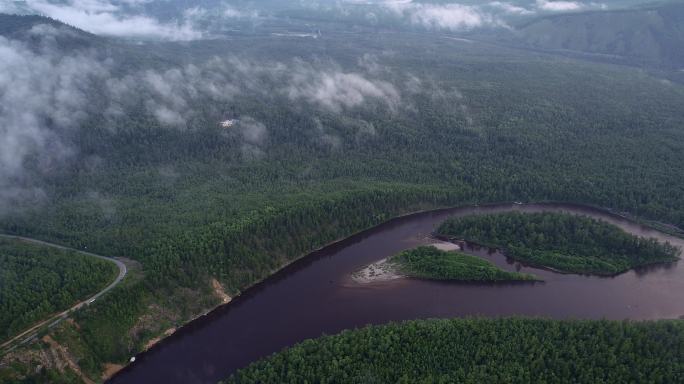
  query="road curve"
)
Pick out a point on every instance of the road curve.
point(54, 320)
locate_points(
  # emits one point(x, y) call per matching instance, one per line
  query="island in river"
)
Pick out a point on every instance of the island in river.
point(316, 296)
point(429, 262)
point(560, 241)
point(383, 270)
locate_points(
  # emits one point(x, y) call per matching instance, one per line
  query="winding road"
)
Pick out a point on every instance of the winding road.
point(22, 338)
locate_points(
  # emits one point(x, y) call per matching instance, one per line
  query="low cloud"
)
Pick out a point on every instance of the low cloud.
point(254, 135)
point(46, 95)
point(451, 16)
point(325, 137)
point(370, 63)
point(129, 18)
point(9, 7)
point(457, 16)
point(223, 11)
point(170, 95)
point(39, 90)
point(558, 5)
point(105, 204)
point(509, 8)
point(14, 198)
point(41, 94)
point(323, 84)
point(106, 18)
point(337, 90)
point(567, 6)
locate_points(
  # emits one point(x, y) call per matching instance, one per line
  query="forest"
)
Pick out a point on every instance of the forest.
point(565, 242)
point(427, 262)
point(468, 124)
point(37, 281)
point(507, 350)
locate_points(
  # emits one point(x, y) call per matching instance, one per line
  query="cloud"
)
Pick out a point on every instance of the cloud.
point(369, 62)
point(253, 134)
point(199, 14)
point(451, 16)
point(567, 6)
point(15, 198)
point(325, 137)
point(323, 84)
point(337, 90)
point(230, 12)
point(167, 101)
point(103, 203)
point(559, 5)
point(46, 94)
point(171, 96)
point(9, 7)
point(41, 94)
point(106, 18)
point(509, 8)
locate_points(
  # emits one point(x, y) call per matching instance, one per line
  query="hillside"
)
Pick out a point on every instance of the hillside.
point(34, 30)
point(641, 36)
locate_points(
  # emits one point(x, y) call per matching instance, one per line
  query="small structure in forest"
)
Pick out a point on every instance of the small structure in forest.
point(228, 123)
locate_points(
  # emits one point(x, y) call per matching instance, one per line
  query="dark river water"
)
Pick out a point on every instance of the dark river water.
point(316, 295)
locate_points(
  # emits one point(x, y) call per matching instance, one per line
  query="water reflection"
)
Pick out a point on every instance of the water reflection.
point(316, 295)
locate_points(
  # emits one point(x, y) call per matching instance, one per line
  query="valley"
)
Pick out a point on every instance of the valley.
point(317, 295)
point(253, 162)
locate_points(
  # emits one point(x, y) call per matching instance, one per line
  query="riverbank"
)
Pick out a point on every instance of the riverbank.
point(317, 286)
point(567, 242)
point(460, 350)
point(384, 270)
point(377, 272)
point(53, 319)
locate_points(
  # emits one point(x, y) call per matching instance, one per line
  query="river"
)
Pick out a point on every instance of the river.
point(316, 295)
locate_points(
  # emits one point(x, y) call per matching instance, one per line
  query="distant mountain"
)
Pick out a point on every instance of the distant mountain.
point(33, 29)
point(14, 25)
point(648, 36)
point(49, 36)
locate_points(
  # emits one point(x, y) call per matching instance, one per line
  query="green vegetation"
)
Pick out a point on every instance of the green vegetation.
point(565, 242)
point(37, 281)
point(41, 376)
point(432, 263)
point(483, 351)
point(475, 123)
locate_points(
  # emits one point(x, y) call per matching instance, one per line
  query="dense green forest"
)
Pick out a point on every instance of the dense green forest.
point(469, 123)
point(428, 262)
point(483, 351)
point(37, 281)
point(27, 376)
point(565, 242)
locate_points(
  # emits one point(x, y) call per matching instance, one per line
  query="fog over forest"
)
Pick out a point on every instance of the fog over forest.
point(209, 143)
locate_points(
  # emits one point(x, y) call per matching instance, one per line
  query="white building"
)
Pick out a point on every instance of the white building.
point(227, 123)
